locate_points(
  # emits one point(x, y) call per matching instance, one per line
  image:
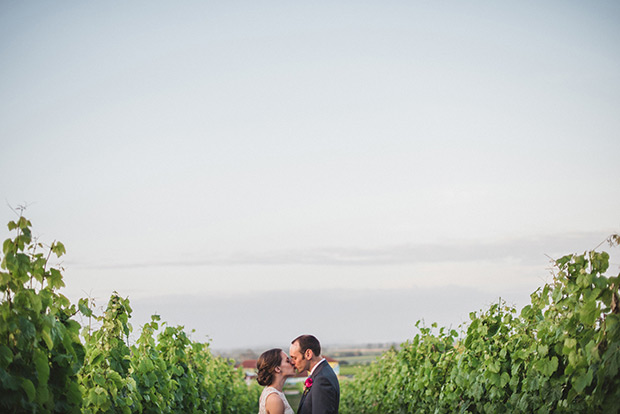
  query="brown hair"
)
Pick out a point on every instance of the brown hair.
point(266, 365)
point(308, 342)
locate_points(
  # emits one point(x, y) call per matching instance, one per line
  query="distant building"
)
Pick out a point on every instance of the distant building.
point(249, 369)
point(334, 364)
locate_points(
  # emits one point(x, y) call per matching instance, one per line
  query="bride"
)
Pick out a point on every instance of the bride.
point(274, 367)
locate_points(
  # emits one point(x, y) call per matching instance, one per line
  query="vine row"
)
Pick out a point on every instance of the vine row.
point(49, 363)
point(560, 354)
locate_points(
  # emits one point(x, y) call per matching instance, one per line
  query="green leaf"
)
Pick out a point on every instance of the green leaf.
point(563, 260)
point(589, 313)
point(35, 303)
point(543, 350)
point(99, 379)
point(612, 323)
point(27, 329)
point(6, 356)
point(494, 366)
point(95, 356)
point(43, 394)
point(8, 246)
point(547, 366)
point(580, 382)
point(42, 366)
point(47, 337)
point(8, 381)
point(74, 395)
point(23, 223)
point(62, 300)
point(55, 279)
point(116, 378)
point(58, 248)
point(28, 387)
point(84, 309)
point(5, 279)
point(101, 398)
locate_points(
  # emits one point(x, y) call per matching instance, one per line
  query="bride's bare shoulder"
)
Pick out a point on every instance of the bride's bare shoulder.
point(274, 404)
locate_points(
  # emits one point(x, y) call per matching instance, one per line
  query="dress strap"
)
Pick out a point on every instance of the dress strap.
point(270, 390)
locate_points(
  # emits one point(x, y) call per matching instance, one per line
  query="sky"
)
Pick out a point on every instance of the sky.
point(258, 170)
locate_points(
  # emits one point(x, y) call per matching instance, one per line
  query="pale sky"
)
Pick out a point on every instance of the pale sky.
point(258, 170)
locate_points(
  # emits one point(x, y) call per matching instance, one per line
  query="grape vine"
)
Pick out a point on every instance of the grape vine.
point(560, 354)
point(46, 367)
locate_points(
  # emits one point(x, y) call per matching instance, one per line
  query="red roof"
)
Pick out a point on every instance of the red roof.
point(249, 364)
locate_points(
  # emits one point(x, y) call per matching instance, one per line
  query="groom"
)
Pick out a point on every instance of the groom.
point(322, 391)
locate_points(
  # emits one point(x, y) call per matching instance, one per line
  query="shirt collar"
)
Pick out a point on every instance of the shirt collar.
point(317, 364)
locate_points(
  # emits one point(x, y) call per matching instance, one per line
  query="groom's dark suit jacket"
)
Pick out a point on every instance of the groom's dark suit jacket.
point(323, 396)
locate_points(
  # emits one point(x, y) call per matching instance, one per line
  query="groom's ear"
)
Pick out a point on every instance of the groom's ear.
point(309, 354)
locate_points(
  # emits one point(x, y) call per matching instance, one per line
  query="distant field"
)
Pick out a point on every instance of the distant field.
point(361, 355)
point(358, 359)
point(351, 370)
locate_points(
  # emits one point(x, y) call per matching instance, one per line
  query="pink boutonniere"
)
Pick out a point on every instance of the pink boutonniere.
point(308, 382)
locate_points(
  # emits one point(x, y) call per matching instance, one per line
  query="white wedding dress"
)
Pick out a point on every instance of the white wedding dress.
point(263, 398)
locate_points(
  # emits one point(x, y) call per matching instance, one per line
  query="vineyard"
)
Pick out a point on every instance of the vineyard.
point(560, 353)
point(49, 363)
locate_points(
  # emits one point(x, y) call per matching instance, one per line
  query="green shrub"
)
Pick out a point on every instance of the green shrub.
point(40, 350)
point(45, 367)
point(560, 354)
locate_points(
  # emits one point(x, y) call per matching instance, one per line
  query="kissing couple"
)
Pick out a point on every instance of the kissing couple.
point(321, 392)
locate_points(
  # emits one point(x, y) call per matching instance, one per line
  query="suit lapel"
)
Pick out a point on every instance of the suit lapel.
point(301, 402)
point(317, 370)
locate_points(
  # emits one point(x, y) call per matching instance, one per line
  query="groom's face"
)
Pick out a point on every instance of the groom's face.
point(297, 358)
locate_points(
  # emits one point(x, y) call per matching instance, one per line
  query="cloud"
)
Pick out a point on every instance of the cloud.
point(527, 250)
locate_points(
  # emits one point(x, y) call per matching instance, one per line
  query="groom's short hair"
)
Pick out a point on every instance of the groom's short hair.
point(308, 342)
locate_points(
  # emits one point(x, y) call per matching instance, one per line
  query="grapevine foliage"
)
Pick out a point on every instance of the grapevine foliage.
point(163, 372)
point(46, 368)
point(40, 349)
point(560, 354)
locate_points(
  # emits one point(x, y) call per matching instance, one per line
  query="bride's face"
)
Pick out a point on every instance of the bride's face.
point(287, 369)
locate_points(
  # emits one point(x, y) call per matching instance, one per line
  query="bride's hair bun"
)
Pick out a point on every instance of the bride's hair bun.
point(266, 365)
